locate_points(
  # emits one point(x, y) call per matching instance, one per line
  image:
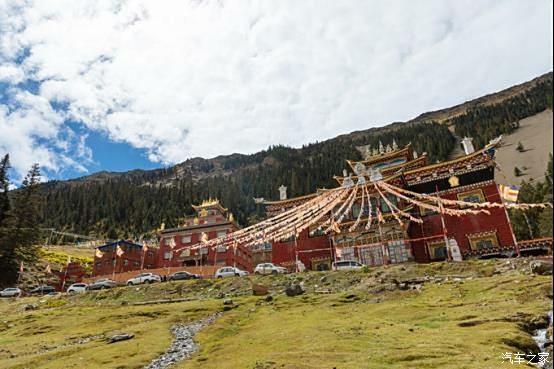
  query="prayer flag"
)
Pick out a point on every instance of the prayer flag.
point(99, 254)
point(119, 251)
point(509, 193)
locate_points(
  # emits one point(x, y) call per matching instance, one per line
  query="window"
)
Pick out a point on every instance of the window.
point(221, 249)
point(167, 255)
point(186, 252)
point(424, 211)
point(136, 263)
point(167, 241)
point(475, 196)
point(392, 199)
point(315, 231)
point(125, 262)
point(437, 250)
point(150, 254)
point(483, 241)
point(186, 239)
point(99, 264)
point(356, 210)
point(221, 233)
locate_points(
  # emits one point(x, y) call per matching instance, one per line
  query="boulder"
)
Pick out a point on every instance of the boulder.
point(28, 307)
point(227, 302)
point(540, 267)
point(294, 290)
point(120, 337)
point(259, 290)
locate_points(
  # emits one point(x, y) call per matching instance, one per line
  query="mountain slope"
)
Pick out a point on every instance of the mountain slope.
point(131, 203)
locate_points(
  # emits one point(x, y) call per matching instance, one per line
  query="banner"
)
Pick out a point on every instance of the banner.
point(509, 193)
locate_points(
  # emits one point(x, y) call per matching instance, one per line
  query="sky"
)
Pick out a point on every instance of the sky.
point(118, 85)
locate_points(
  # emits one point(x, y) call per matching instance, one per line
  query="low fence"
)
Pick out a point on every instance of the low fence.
point(206, 271)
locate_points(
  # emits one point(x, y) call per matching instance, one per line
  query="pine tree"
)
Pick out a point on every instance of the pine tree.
point(4, 187)
point(19, 230)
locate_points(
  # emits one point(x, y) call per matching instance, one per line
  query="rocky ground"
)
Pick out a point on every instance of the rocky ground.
point(183, 346)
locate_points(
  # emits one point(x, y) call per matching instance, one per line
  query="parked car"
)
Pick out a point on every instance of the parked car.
point(101, 284)
point(144, 278)
point(42, 290)
point(347, 265)
point(269, 268)
point(230, 272)
point(11, 292)
point(77, 288)
point(178, 276)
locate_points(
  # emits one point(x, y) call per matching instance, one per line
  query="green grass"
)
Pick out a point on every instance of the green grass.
point(449, 325)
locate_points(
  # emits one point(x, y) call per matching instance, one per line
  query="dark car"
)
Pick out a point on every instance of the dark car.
point(101, 284)
point(177, 276)
point(42, 290)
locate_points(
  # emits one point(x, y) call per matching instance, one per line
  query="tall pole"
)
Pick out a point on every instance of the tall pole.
point(509, 222)
point(114, 265)
point(383, 245)
point(444, 231)
point(295, 251)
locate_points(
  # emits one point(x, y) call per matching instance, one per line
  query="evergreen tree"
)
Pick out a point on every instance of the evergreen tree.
point(19, 230)
point(4, 187)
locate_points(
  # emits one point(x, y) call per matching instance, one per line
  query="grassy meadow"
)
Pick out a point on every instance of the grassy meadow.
point(465, 321)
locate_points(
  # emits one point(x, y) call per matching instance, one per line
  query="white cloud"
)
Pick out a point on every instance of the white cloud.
point(204, 78)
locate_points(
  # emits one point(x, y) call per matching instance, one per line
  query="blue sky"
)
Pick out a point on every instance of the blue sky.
point(116, 85)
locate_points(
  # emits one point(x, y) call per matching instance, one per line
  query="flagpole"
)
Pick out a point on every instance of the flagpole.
point(509, 221)
point(444, 231)
point(65, 274)
point(114, 264)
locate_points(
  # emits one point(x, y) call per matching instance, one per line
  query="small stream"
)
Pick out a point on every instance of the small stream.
point(542, 340)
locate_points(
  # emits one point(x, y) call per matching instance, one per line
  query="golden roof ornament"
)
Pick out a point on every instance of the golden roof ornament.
point(388, 148)
point(231, 217)
point(195, 220)
point(374, 152)
point(394, 145)
point(415, 154)
point(454, 181)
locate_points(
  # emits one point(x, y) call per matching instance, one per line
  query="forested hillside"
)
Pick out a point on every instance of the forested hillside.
point(130, 204)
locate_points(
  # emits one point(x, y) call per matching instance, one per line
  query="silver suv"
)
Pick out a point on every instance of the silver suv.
point(144, 278)
point(270, 268)
point(230, 272)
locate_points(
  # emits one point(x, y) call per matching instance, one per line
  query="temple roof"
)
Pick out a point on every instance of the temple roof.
point(406, 152)
point(210, 203)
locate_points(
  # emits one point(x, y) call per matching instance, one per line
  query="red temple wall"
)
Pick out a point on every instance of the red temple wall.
point(242, 259)
point(459, 227)
point(130, 260)
point(284, 252)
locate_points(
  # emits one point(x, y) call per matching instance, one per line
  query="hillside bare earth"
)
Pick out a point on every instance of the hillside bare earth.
point(535, 134)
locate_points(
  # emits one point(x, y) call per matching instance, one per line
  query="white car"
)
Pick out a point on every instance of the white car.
point(347, 265)
point(10, 292)
point(144, 278)
point(77, 288)
point(230, 272)
point(270, 268)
